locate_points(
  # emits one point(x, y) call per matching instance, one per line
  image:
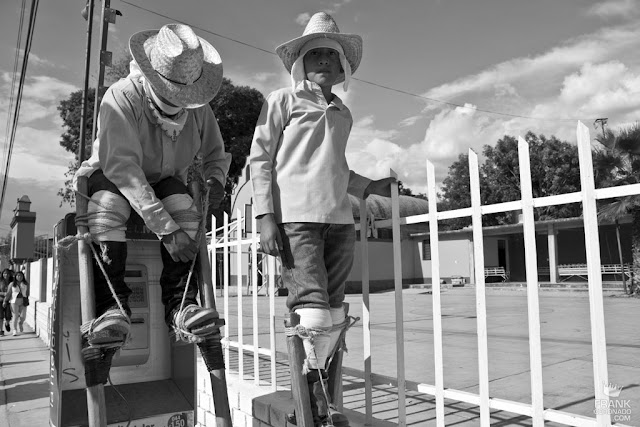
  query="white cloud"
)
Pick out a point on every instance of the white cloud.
point(410, 121)
point(542, 75)
point(47, 88)
point(41, 62)
point(265, 82)
point(303, 18)
point(613, 8)
point(38, 162)
point(597, 90)
point(44, 202)
point(372, 152)
point(37, 154)
point(32, 110)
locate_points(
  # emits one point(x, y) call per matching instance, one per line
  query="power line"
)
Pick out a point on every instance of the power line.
point(199, 28)
point(16, 115)
point(439, 101)
point(13, 85)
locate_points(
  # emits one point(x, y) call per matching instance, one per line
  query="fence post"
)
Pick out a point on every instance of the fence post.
point(481, 300)
point(531, 264)
point(434, 242)
point(399, 307)
point(592, 246)
point(366, 314)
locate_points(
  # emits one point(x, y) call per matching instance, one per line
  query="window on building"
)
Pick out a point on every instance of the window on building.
point(426, 250)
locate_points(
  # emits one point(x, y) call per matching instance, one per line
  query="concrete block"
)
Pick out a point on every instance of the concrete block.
point(200, 415)
point(258, 423)
point(246, 403)
point(278, 415)
point(261, 410)
point(203, 401)
point(210, 419)
point(239, 418)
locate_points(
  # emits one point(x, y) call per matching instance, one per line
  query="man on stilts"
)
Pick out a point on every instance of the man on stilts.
point(151, 126)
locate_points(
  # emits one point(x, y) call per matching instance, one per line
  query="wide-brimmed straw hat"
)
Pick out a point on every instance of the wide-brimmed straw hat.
point(322, 25)
point(180, 66)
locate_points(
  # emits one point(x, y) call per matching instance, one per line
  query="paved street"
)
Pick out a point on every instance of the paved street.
point(565, 331)
point(24, 381)
point(566, 346)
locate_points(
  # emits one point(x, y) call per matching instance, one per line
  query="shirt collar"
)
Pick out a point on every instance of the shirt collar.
point(314, 89)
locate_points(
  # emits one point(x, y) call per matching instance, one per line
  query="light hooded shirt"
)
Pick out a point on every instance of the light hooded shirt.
point(298, 165)
point(134, 152)
point(14, 290)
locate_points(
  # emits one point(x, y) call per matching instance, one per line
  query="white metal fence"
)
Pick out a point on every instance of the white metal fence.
point(232, 243)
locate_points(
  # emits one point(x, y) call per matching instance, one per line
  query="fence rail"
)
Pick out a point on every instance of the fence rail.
point(233, 242)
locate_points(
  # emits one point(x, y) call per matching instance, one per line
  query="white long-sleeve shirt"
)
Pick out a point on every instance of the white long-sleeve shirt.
point(298, 165)
point(134, 152)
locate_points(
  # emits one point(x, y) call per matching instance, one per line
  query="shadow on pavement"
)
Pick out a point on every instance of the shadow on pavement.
point(31, 391)
point(5, 364)
point(33, 378)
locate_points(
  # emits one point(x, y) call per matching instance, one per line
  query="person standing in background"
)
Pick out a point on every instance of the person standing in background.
point(17, 297)
point(5, 312)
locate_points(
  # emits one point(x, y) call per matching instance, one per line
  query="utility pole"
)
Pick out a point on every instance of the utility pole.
point(108, 17)
point(603, 122)
point(87, 13)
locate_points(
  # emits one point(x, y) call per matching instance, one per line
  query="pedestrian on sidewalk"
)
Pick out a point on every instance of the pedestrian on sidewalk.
point(5, 311)
point(18, 297)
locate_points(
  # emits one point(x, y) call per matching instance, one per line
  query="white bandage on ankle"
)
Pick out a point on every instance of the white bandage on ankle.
point(318, 319)
point(337, 317)
point(184, 213)
point(107, 216)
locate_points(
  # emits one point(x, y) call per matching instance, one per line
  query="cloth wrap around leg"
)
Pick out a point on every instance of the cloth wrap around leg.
point(316, 347)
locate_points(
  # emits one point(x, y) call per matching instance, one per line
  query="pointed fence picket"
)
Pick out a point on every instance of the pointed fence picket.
point(229, 240)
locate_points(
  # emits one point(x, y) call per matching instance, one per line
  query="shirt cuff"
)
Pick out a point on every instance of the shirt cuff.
point(357, 185)
point(160, 223)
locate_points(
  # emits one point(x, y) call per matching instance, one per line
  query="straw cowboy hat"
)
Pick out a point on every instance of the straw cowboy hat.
point(322, 25)
point(181, 67)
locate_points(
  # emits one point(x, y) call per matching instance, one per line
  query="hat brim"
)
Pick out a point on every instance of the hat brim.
point(194, 95)
point(351, 45)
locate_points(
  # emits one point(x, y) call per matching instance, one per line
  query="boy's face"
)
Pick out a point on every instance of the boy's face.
point(322, 66)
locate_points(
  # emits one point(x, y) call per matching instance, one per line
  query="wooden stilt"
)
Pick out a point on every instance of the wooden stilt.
point(96, 407)
point(335, 371)
point(212, 347)
point(299, 387)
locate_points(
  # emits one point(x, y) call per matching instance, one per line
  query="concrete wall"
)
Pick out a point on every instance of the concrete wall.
point(455, 259)
point(251, 405)
point(380, 266)
point(41, 280)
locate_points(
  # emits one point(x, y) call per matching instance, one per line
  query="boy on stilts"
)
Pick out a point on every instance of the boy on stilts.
point(301, 182)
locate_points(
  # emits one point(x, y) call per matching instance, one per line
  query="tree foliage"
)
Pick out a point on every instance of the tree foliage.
point(554, 170)
point(237, 109)
point(406, 191)
point(70, 111)
point(618, 163)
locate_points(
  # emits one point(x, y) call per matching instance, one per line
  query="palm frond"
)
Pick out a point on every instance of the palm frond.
point(618, 208)
point(628, 139)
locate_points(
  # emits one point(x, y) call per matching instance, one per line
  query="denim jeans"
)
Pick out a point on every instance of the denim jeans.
point(316, 261)
point(174, 273)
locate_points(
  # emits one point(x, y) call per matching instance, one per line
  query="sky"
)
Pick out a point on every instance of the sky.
point(437, 78)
